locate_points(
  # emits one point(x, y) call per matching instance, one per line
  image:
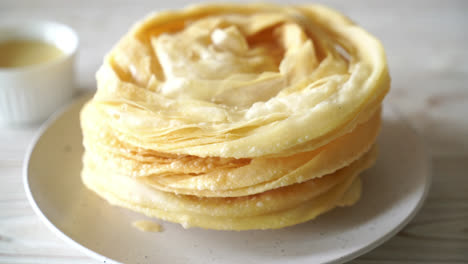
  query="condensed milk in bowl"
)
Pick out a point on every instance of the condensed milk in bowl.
point(36, 70)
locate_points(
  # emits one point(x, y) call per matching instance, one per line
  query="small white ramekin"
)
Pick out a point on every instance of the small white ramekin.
point(30, 94)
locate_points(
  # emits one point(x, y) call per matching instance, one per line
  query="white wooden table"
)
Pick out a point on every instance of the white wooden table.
point(427, 48)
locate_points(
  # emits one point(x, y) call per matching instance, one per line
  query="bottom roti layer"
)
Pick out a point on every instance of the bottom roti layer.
point(272, 209)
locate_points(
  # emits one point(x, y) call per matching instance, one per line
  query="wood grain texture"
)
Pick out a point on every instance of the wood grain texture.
point(426, 48)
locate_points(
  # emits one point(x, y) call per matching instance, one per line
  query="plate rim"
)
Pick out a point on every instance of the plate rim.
point(25, 177)
point(419, 205)
point(89, 252)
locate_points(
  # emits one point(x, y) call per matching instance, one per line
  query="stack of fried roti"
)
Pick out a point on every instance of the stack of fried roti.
point(236, 117)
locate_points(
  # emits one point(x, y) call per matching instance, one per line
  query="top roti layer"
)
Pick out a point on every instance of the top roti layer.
point(228, 80)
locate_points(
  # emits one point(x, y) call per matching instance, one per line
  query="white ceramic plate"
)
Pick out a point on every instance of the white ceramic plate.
point(394, 190)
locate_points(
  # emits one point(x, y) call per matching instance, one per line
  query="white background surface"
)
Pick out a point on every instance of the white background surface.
point(426, 43)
